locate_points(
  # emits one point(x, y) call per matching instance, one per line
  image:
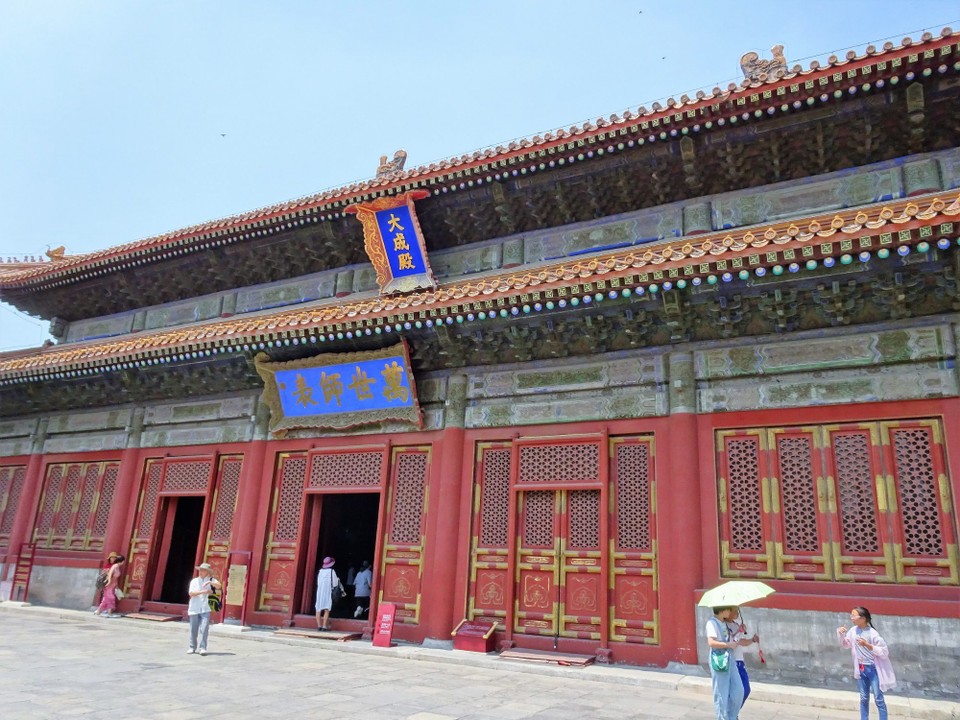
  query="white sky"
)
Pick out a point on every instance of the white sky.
point(123, 119)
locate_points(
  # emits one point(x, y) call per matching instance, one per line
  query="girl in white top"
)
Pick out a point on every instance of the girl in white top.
point(739, 631)
point(871, 661)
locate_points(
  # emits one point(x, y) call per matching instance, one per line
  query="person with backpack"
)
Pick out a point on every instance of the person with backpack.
point(871, 661)
point(110, 581)
point(103, 576)
point(198, 609)
point(727, 685)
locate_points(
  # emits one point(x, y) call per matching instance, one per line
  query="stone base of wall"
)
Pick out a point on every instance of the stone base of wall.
point(5, 582)
point(801, 648)
point(71, 588)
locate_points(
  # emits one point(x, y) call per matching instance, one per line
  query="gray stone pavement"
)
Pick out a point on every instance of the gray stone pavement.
point(66, 664)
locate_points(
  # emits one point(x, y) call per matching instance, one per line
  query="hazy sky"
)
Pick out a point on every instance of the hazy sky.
point(122, 119)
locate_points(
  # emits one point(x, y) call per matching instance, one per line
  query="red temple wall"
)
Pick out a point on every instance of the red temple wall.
point(427, 553)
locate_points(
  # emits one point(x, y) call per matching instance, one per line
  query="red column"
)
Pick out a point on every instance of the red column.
point(117, 535)
point(678, 515)
point(22, 527)
point(444, 520)
point(243, 530)
point(123, 507)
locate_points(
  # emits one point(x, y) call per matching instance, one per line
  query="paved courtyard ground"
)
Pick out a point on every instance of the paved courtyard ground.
point(56, 664)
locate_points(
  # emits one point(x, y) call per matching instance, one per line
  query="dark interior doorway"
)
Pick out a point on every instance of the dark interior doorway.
point(187, 513)
point(347, 532)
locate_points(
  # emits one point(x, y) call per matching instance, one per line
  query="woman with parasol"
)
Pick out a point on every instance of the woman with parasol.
point(723, 640)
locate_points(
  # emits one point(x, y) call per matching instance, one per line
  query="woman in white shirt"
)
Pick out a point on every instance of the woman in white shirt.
point(727, 685)
point(739, 631)
point(327, 580)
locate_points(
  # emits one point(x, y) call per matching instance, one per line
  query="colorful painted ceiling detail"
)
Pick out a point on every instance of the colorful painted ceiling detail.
point(876, 233)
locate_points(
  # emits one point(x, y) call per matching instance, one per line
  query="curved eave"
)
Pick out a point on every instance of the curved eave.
point(797, 90)
point(858, 235)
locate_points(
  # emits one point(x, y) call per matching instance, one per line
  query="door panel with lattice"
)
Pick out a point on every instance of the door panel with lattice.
point(279, 569)
point(634, 600)
point(918, 491)
point(487, 594)
point(402, 568)
point(800, 502)
point(860, 525)
point(537, 600)
point(746, 532)
point(583, 590)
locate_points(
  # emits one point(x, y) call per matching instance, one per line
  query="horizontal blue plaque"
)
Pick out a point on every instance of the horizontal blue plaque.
point(340, 390)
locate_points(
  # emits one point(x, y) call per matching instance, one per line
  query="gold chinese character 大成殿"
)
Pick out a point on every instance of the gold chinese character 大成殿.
point(393, 377)
point(393, 224)
point(304, 393)
point(400, 242)
point(331, 386)
point(405, 261)
point(361, 384)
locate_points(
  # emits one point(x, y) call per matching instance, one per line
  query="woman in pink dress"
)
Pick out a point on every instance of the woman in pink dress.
point(108, 605)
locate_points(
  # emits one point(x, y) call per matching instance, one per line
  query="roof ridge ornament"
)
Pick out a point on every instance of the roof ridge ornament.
point(757, 70)
point(394, 166)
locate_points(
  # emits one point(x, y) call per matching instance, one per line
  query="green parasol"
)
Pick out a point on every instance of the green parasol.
point(735, 592)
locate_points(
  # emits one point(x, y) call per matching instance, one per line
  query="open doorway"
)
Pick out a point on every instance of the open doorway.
point(178, 549)
point(343, 527)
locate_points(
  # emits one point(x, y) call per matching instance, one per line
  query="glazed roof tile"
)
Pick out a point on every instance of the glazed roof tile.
point(678, 114)
point(876, 228)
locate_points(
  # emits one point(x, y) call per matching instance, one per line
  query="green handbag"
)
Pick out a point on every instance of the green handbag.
point(214, 601)
point(720, 660)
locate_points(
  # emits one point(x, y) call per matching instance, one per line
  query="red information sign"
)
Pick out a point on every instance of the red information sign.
point(383, 630)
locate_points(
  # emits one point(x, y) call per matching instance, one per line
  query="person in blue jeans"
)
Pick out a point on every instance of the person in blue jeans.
point(198, 609)
point(738, 630)
point(727, 685)
point(871, 661)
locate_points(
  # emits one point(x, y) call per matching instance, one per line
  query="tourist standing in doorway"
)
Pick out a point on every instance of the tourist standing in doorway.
point(739, 631)
point(871, 661)
point(727, 685)
point(198, 609)
point(327, 580)
point(362, 583)
point(111, 591)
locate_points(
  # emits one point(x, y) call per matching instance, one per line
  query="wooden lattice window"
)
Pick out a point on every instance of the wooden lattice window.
point(148, 501)
point(293, 473)
point(494, 496)
point(408, 504)
point(633, 496)
point(74, 505)
point(559, 462)
point(11, 488)
point(227, 488)
point(186, 476)
point(346, 469)
point(584, 520)
point(538, 518)
point(866, 502)
point(857, 494)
